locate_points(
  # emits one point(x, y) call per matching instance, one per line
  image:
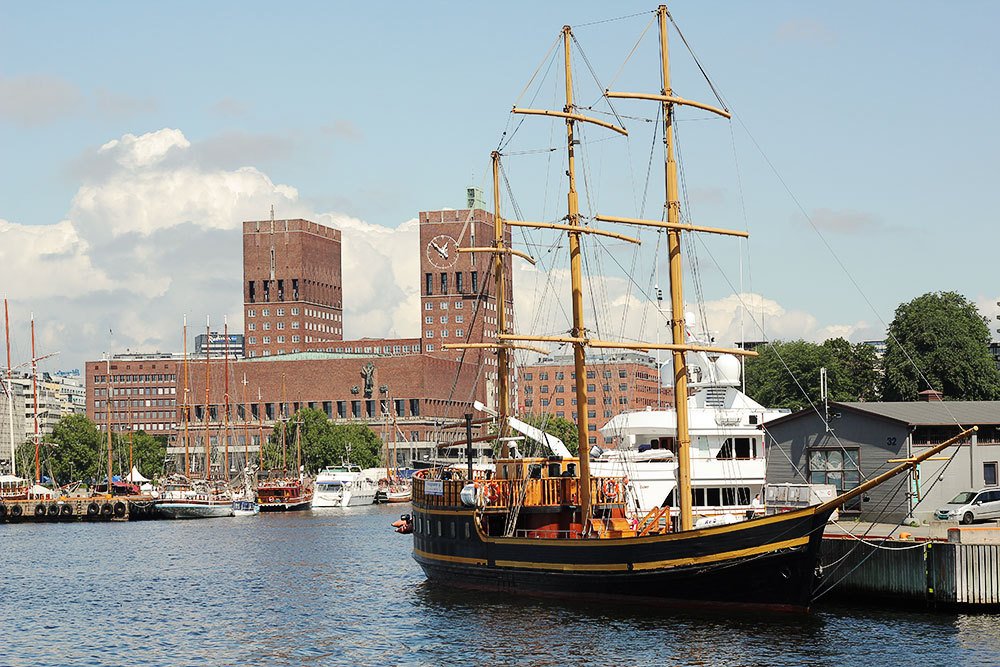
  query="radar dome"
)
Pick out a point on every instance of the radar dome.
point(727, 369)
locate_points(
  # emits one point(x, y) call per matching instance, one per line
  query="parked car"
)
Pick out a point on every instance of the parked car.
point(970, 506)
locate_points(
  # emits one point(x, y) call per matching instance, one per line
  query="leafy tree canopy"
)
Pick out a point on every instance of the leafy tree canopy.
point(323, 443)
point(787, 374)
point(560, 427)
point(940, 341)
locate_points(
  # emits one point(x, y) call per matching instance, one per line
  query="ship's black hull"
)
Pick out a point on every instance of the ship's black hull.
point(765, 563)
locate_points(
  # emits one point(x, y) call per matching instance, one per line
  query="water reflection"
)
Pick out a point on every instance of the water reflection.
point(340, 587)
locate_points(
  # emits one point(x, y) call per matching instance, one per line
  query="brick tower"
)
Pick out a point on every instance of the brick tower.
point(292, 286)
point(458, 302)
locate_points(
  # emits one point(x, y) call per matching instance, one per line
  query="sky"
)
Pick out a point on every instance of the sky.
point(135, 137)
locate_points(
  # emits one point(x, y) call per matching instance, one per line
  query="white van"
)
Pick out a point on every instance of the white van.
point(969, 506)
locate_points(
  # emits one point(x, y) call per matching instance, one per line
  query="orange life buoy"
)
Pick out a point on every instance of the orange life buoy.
point(611, 489)
point(491, 493)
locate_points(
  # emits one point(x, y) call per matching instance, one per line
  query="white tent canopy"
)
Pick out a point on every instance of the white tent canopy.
point(136, 476)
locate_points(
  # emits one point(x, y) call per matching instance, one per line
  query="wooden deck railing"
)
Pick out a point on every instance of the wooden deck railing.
point(502, 493)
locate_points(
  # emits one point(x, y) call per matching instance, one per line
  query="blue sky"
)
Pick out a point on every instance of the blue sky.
point(877, 116)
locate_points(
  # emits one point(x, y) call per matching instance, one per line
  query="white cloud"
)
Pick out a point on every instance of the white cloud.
point(47, 261)
point(156, 234)
point(131, 151)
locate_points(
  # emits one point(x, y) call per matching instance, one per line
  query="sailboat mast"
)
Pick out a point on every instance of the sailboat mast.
point(499, 279)
point(34, 393)
point(208, 439)
point(260, 431)
point(225, 414)
point(10, 390)
point(246, 425)
point(110, 403)
point(576, 271)
point(284, 428)
point(676, 287)
point(186, 406)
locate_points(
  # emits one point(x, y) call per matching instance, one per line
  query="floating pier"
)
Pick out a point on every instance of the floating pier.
point(962, 571)
point(77, 508)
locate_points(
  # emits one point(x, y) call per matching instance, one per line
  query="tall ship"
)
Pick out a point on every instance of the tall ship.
point(561, 525)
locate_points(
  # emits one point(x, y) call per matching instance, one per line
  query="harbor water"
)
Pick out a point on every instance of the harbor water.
point(338, 587)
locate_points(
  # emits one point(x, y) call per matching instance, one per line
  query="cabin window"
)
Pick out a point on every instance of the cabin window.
point(439, 527)
point(699, 497)
point(713, 497)
point(729, 496)
point(451, 529)
point(467, 534)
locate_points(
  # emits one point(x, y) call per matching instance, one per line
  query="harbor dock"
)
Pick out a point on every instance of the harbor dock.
point(78, 508)
point(936, 565)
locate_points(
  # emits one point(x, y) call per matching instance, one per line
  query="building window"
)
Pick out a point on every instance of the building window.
point(444, 319)
point(428, 284)
point(475, 281)
point(460, 318)
point(460, 333)
point(444, 283)
point(444, 305)
point(266, 340)
point(459, 305)
point(458, 283)
point(280, 325)
point(279, 312)
point(429, 319)
point(429, 334)
point(252, 340)
point(265, 312)
point(266, 326)
point(527, 376)
point(295, 324)
point(622, 374)
point(990, 473)
point(295, 311)
point(251, 313)
point(838, 467)
point(252, 326)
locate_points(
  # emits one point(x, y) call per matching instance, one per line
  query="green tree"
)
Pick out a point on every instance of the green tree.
point(324, 443)
point(148, 453)
point(787, 374)
point(560, 427)
point(939, 341)
point(74, 450)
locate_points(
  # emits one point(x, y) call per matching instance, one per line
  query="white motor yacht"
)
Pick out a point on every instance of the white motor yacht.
point(343, 486)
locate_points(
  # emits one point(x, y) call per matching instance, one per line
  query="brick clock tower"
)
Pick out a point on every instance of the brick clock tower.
point(292, 286)
point(458, 302)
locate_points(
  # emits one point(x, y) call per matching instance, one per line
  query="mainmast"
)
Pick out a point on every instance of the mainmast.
point(208, 438)
point(676, 287)
point(186, 406)
point(246, 425)
point(225, 414)
point(10, 390)
point(679, 345)
point(34, 393)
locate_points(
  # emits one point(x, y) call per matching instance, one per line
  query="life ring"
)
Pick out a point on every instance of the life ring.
point(106, 509)
point(93, 509)
point(611, 489)
point(39, 510)
point(66, 510)
point(120, 509)
point(16, 511)
point(491, 493)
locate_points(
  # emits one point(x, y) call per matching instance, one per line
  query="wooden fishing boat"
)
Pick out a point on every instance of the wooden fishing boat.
point(547, 526)
point(277, 492)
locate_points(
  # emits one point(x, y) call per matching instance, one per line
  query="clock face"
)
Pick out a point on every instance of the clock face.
point(442, 251)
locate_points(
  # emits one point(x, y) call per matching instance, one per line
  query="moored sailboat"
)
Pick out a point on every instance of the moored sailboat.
point(549, 526)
